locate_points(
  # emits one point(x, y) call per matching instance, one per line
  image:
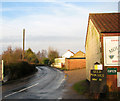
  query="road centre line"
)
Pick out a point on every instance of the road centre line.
point(21, 90)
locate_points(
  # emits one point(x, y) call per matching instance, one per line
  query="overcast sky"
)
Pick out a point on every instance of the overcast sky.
point(61, 25)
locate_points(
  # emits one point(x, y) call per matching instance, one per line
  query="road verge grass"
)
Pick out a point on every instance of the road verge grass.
point(81, 87)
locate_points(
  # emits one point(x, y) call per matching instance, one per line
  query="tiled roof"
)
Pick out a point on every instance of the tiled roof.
point(79, 54)
point(106, 22)
point(71, 51)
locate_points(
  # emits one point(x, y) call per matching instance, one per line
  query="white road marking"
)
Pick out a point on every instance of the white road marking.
point(21, 90)
point(59, 98)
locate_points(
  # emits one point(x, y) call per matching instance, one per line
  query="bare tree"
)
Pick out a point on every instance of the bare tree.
point(11, 56)
point(41, 55)
point(52, 54)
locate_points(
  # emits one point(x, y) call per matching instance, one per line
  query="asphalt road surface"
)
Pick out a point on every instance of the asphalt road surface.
point(47, 83)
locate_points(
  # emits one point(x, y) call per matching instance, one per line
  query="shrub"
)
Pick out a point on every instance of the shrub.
point(18, 70)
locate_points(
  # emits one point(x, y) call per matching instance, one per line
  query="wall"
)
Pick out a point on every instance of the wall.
point(93, 45)
point(111, 79)
point(59, 62)
point(75, 63)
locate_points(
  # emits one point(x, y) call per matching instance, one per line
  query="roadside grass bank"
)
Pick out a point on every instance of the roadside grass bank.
point(14, 71)
point(83, 88)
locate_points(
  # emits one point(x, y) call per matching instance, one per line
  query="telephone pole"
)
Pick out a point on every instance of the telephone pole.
point(23, 44)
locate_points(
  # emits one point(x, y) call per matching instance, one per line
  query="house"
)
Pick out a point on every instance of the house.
point(79, 54)
point(68, 54)
point(60, 62)
point(101, 45)
point(77, 61)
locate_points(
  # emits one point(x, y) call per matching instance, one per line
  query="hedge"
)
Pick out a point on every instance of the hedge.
point(18, 70)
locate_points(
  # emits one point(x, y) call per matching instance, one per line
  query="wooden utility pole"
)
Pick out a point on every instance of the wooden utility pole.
point(23, 44)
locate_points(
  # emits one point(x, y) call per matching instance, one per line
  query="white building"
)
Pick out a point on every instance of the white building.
point(68, 54)
point(60, 62)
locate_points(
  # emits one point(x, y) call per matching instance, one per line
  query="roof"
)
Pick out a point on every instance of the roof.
point(68, 54)
point(106, 22)
point(79, 54)
point(71, 51)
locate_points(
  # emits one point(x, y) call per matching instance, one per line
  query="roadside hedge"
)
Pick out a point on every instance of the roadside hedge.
point(18, 70)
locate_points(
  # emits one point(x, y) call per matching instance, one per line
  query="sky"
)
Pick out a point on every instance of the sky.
point(61, 25)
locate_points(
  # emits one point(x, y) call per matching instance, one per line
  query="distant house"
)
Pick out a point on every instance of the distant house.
point(60, 62)
point(68, 54)
point(76, 61)
point(79, 54)
point(102, 40)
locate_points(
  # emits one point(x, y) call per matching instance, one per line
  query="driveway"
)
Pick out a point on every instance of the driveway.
point(74, 76)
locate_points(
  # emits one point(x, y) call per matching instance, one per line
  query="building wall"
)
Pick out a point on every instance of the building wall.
point(93, 45)
point(111, 79)
point(95, 53)
point(59, 62)
point(75, 63)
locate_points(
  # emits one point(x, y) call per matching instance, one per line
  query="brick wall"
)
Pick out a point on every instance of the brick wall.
point(75, 63)
point(111, 79)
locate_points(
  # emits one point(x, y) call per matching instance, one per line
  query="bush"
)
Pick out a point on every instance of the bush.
point(45, 61)
point(18, 70)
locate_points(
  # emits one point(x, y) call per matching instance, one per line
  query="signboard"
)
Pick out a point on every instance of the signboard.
point(111, 51)
point(98, 67)
point(97, 75)
point(98, 80)
point(118, 79)
point(112, 71)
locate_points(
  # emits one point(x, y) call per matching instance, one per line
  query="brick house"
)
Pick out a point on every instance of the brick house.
point(102, 41)
point(76, 61)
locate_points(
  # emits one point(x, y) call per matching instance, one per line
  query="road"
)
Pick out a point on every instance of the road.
point(47, 83)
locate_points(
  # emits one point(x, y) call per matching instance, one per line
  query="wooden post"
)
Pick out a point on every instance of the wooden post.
point(2, 70)
point(23, 44)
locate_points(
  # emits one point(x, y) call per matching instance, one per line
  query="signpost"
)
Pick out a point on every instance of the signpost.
point(2, 70)
point(98, 80)
point(97, 75)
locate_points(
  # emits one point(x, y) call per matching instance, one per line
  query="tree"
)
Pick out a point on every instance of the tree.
point(41, 55)
point(52, 54)
point(12, 56)
point(45, 61)
point(31, 57)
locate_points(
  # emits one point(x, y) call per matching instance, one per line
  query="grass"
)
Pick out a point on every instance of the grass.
point(81, 87)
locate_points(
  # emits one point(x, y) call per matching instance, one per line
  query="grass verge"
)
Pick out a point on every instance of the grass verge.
point(81, 87)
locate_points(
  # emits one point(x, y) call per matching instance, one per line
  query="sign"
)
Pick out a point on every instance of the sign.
point(97, 75)
point(98, 67)
point(111, 51)
point(118, 79)
point(98, 80)
point(112, 71)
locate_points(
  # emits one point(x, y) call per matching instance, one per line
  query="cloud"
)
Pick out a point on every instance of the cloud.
point(62, 25)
